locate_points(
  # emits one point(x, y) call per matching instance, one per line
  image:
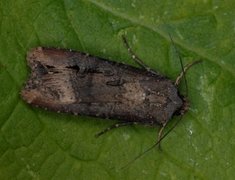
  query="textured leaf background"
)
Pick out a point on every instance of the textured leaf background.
point(36, 144)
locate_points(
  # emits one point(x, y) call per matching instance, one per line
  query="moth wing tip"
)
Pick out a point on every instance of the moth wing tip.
point(29, 95)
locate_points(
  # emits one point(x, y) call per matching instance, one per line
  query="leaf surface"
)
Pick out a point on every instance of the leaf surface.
point(37, 144)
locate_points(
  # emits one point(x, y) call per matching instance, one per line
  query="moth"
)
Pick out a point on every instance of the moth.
point(73, 82)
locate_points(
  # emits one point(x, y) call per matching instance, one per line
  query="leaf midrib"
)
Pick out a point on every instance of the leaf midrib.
point(165, 35)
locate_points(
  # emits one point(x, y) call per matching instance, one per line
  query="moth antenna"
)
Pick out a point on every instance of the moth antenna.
point(182, 67)
point(153, 146)
point(186, 68)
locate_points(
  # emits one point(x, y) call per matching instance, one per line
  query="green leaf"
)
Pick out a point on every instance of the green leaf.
point(36, 144)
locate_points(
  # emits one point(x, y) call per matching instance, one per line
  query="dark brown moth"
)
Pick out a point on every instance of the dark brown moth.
point(74, 82)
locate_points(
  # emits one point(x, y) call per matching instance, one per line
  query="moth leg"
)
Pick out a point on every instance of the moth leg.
point(160, 133)
point(114, 126)
point(136, 58)
point(185, 69)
